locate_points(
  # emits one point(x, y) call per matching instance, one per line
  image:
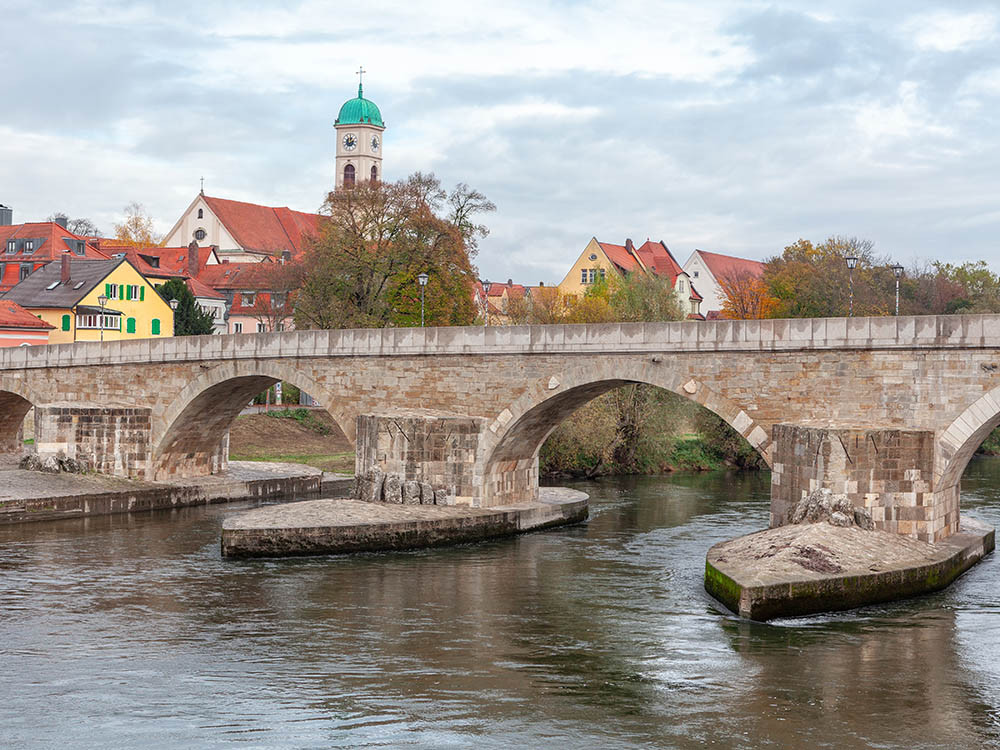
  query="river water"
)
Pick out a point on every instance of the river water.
point(131, 631)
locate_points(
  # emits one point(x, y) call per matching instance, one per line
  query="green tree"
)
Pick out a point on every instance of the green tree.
point(361, 270)
point(189, 318)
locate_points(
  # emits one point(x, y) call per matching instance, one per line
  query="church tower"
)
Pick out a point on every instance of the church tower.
point(359, 129)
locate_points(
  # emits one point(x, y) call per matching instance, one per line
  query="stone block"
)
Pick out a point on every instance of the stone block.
point(392, 491)
point(411, 492)
point(426, 494)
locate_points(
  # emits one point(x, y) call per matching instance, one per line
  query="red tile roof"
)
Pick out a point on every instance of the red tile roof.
point(12, 315)
point(264, 228)
point(239, 276)
point(51, 241)
point(723, 265)
point(201, 289)
point(655, 256)
point(169, 259)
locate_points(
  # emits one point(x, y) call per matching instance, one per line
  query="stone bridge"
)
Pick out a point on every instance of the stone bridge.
point(888, 410)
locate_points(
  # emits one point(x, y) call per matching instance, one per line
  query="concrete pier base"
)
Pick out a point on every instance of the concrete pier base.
point(810, 568)
point(326, 527)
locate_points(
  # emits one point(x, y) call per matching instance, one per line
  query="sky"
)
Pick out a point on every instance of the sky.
point(732, 127)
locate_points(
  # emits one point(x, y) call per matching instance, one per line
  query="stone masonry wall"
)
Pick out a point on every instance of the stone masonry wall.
point(110, 440)
point(890, 472)
point(442, 451)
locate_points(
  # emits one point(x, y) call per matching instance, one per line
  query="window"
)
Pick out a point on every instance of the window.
point(11, 246)
point(593, 275)
point(130, 325)
point(200, 234)
point(694, 307)
point(261, 328)
point(374, 174)
point(113, 322)
point(695, 274)
point(237, 328)
point(29, 247)
point(604, 275)
point(248, 299)
point(349, 176)
point(201, 213)
point(680, 285)
point(583, 275)
point(111, 291)
point(95, 321)
point(78, 247)
point(133, 291)
point(26, 269)
point(156, 326)
point(52, 286)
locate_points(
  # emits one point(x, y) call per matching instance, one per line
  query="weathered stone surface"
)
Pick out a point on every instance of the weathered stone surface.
point(444, 497)
point(392, 489)
point(426, 494)
point(322, 527)
point(823, 505)
point(805, 568)
point(411, 492)
point(369, 485)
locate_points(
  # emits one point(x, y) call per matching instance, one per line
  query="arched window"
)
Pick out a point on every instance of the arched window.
point(374, 173)
point(201, 213)
point(349, 176)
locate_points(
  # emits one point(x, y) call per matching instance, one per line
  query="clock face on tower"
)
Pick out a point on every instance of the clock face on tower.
point(375, 143)
point(350, 142)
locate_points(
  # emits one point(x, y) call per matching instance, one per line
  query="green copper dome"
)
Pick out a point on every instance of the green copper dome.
point(359, 111)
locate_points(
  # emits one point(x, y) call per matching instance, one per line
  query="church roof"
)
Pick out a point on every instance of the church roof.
point(263, 228)
point(359, 111)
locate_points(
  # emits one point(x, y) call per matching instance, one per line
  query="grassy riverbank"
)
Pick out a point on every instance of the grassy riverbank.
point(302, 436)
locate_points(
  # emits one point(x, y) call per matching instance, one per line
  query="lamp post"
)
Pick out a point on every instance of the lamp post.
point(174, 303)
point(102, 301)
point(897, 271)
point(486, 302)
point(852, 261)
point(422, 279)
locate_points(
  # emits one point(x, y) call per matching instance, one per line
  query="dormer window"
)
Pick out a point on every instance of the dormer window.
point(78, 247)
point(29, 247)
point(248, 299)
point(11, 246)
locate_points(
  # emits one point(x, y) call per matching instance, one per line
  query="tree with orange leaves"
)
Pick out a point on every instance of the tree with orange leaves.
point(747, 297)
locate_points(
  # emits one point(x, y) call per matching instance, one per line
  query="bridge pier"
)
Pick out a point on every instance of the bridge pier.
point(112, 440)
point(888, 471)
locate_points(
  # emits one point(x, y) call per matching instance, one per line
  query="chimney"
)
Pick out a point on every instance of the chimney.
point(286, 256)
point(541, 283)
point(6, 215)
point(193, 259)
point(62, 221)
point(64, 275)
point(629, 247)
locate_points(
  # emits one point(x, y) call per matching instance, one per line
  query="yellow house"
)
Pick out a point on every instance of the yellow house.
point(68, 293)
point(603, 260)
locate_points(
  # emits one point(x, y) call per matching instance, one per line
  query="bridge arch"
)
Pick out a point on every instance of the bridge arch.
point(960, 440)
point(513, 440)
point(189, 431)
point(16, 400)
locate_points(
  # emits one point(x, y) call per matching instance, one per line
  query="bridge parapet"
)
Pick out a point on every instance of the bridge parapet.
point(933, 332)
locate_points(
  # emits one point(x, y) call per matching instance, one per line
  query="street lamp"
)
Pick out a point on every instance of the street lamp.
point(422, 279)
point(102, 301)
point(897, 270)
point(174, 303)
point(852, 261)
point(486, 302)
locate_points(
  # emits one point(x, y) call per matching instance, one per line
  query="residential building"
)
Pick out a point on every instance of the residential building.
point(68, 296)
point(707, 269)
point(602, 260)
point(25, 248)
point(258, 295)
point(502, 300)
point(243, 232)
point(18, 327)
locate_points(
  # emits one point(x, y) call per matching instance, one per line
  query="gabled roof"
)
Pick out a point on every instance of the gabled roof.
point(655, 257)
point(239, 276)
point(50, 242)
point(171, 260)
point(723, 265)
point(12, 315)
point(263, 228)
point(201, 290)
point(34, 291)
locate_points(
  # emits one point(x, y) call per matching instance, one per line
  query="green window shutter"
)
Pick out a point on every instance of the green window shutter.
point(142, 293)
point(156, 326)
point(107, 290)
point(65, 322)
point(128, 292)
point(130, 325)
point(121, 291)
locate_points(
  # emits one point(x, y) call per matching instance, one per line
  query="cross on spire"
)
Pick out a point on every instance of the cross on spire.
point(360, 73)
point(202, 185)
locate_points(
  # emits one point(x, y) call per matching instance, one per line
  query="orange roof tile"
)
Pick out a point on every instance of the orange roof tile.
point(12, 315)
point(722, 265)
point(237, 276)
point(264, 228)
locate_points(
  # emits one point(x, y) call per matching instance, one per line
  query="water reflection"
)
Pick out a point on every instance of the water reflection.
point(598, 635)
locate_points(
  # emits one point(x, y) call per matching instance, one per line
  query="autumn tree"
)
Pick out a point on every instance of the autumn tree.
point(136, 228)
point(361, 269)
point(189, 318)
point(747, 296)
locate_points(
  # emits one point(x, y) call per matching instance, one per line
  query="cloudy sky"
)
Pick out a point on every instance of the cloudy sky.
point(736, 127)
